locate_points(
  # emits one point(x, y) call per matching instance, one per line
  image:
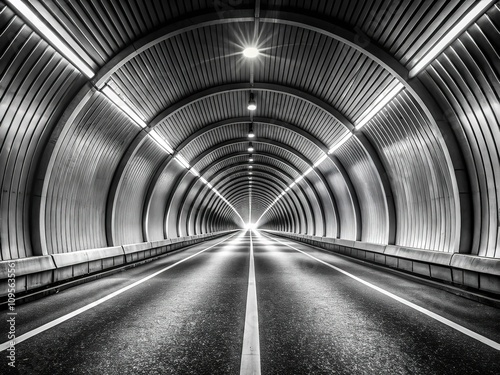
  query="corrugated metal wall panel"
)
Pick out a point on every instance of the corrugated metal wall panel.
point(131, 196)
point(175, 207)
point(214, 137)
point(465, 81)
point(36, 85)
point(405, 28)
point(180, 125)
point(163, 189)
point(104, 27)
point(344, 203)
point(316, 64)
point(371, 197)
point(219, 153)
point(85, 160)
point(418, 173)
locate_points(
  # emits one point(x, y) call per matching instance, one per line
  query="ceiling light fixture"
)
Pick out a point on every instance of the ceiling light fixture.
point(451, 35)
point(203, 180)
point(340, 143)
point(251, 52)
point(251, 134)
point(252, 104)
point(309, 170)
point(250, 166)
point(321, 160)
point(380, 103)
point(111, 95)
point(160, 141)
point(194, 172)
point(52, 38)
point(182, 161)
point(250, 147)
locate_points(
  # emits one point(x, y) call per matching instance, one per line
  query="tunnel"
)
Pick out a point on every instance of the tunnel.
point(250, 187)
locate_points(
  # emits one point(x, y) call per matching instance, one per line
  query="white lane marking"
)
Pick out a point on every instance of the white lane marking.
point(250, 354)
point(63, 318)
point(439, 318)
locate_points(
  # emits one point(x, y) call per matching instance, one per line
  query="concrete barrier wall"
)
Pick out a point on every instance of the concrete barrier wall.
point(36, 272)
point(480, 273)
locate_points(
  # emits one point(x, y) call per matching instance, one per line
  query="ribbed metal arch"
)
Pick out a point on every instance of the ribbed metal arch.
point(221, 175)
point(279, 209)
point(218, 103)
point(280, 165)
point(395, 43)
point(267, 158)
point(222, 180)
point(303, 146)
point(241, 188)
point(288, 150)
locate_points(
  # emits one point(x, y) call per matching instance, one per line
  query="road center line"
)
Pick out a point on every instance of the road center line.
point(439, 318)
point(250, 354)
point(63, 318)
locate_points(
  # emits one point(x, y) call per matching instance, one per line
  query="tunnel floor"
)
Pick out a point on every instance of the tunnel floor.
point(315, 313)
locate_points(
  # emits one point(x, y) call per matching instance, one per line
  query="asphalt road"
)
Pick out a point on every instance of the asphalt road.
point(312, 319)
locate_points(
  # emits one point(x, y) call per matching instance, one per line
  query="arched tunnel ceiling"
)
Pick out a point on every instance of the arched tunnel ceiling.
point(411, 176)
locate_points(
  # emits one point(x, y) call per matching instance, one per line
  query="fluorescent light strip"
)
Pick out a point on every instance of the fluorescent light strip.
point(160, 141)
point(111, 95)
point(194, 172)
point(340, 143)
point(52, 38)
point(182, 161)
point(203, 180)
point(281, 195)
point(223, 199)
point(321, 160)
point(309, 170)
point(380, 103)
point(451, 35)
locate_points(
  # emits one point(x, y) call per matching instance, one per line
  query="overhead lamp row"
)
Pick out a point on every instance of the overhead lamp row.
point(251, 51)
